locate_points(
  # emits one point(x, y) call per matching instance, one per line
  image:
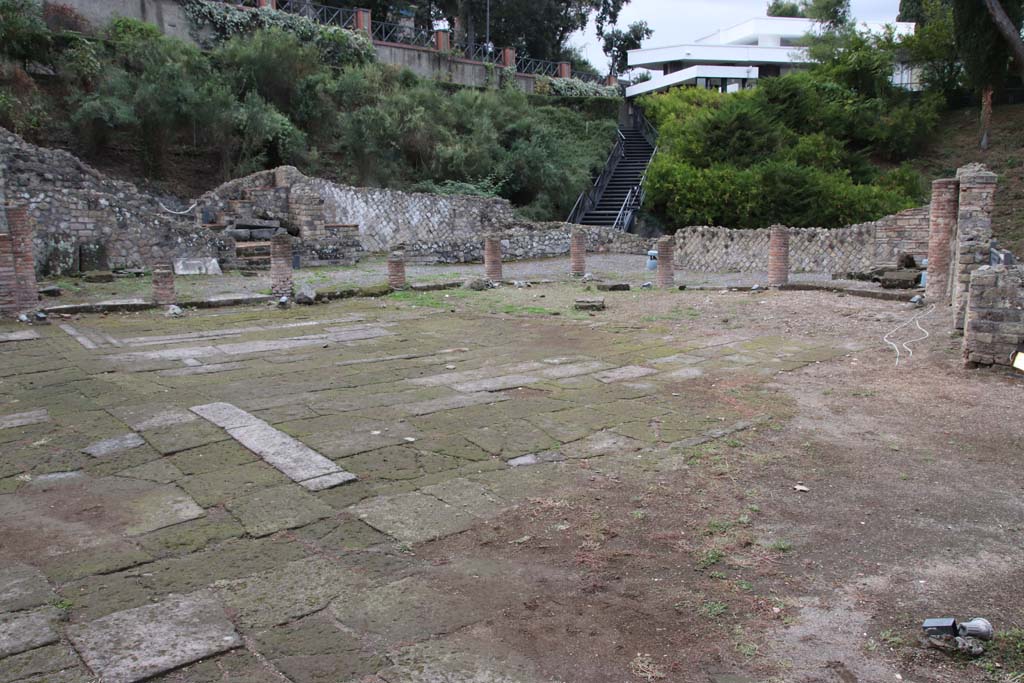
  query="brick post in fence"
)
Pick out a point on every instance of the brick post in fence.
point(564, 70)
point(941, 229)
point(442, 41)
point(396, 270)
point(666, 266)
point(364, 21)
point(18, 290)
point(281, 283)
point(163, 284)
point(778, 256)
point(508, 56)
point(611, 80)
point(492, 259)
point(269, 4)
point(973, 234)
point(577, 253)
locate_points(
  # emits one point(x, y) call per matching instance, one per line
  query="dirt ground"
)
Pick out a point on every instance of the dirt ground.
point(543, 494)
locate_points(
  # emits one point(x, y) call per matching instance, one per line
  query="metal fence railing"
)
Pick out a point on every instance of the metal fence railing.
point(540, 67)
point(480, 52)
point(402, 33)
point(332, 16)
point(588, 77)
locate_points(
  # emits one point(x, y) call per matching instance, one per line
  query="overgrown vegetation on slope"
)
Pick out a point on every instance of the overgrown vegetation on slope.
point(292, 94)
point(805, 149)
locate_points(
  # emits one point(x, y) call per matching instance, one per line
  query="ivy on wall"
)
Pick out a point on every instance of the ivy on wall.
point(339, 46)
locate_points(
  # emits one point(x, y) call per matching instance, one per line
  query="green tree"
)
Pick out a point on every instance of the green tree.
point(24, 36)
point(912, 10)
point(983, 51)
point(785, 8)
point(618, 43)
point(932, 48)
point(833, 15)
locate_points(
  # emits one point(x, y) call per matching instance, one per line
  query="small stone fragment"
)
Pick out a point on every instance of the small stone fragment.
point(596, 304)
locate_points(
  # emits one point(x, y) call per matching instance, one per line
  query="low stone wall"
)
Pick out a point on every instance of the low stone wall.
point(86, 221)
point(856, 248)
point(994, 326)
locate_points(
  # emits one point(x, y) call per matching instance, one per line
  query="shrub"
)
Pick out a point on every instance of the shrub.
point(23, 32)
point(574, 87)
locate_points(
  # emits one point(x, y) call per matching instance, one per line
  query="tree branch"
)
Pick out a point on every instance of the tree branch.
point(1009, 32)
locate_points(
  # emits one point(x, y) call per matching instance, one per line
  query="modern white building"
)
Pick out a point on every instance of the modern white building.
point(732, 58)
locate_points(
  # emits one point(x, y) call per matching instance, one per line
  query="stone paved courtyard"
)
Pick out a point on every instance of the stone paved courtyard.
point(487, 487)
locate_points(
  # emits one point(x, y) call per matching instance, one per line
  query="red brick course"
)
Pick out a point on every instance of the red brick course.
point(666, 268)
point(578, 253)
point(163, 285)
point(492, 259)
point(942, 226)
point(18, 289)
point(396, 270)
point(281, 283)
point(778, 256)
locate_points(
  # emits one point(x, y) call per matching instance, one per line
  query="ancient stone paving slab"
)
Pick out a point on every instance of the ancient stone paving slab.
point(292, 591)
point(23, 587)
point(413, 517)
point(282, 507)
point(82, 339)
point(196, 369)
point(452, 378)
point(294, 459)
point(684, 373)
point(496, 383)
point(602, 443)
point(138, 643)
point(470, 496)
point(408, 610)
point(317, 650)
point(52, 664)
point(24, 419)
point(537, 458)
point(114, 445)
point(574, 369)
point(161, 507)
point(454, 660)
point(437, 405)
point(624, 373)
point(22, 335)
point(144, 418)
point(23, 631)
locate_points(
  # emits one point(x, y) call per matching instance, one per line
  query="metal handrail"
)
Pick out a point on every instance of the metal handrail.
point(541, 67)
point(332, 16)
point(588, 199)
point(646, 128)
point(625, 206)
point(480, 52)
point(588, 77)
point(386, 32)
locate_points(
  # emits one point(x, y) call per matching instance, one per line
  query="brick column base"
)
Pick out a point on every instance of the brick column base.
point(492, 259)
point(941, 226)
point(778, 256)
point(281, 283)
point(666, 267)
point(578, 253)
point(18, 264)
point(163, 285)
point(396, 270)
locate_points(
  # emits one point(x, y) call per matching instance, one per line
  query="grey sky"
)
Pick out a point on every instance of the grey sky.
point(682, 21)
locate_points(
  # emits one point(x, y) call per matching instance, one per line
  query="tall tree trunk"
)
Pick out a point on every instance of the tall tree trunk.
point(986, 115)
point(1009, 32)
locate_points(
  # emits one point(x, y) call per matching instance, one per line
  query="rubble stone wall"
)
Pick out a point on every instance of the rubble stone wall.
point(994, 325)
point(856, 248)
point(86, 221)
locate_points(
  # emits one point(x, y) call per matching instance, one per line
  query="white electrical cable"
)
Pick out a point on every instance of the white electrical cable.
point(916, 320)
point(179, 213)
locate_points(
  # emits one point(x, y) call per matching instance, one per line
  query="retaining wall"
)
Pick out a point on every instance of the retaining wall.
point(994, 326)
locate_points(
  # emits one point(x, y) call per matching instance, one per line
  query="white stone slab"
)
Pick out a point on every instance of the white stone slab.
point(624, 373)
point(24, 419)
point(574, 370)
point(23, 587)
point(294, 459)
point(78, 337)
point(113, 445)
point(496, 383)
point(196, 266)
point(135, 644)
point(22, 335)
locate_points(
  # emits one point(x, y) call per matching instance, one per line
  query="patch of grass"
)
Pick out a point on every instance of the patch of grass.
point(712, 609)
point(717, 526)
point(62, 604)
point(780, 545)
point(721, 576)
point(747, 649)
point(744, 585)
point(891, 638)
point(1006, 650)
point(512, 309)
point(709, 558)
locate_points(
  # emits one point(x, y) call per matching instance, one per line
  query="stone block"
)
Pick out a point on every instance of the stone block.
point(594, 304)
point(197, 266)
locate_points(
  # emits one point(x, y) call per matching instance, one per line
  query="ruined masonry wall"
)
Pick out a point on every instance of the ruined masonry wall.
point(78, 211)
point(856, 248)
point(994, 324)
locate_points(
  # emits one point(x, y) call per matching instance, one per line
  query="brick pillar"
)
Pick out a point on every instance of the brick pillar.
point(364, 21)
point(578, 253)
point(973, 234)
point(25, 292)
point(564, 70)
point(941, 226)
point(666, 266)
point(8, 278)
point(442, 41)
point(611, 80)
point(508, 56)
point(396, 270)
point(270, 4)
point(163, 285)
point(281, 265)
point(778, 256)
point(492, 259)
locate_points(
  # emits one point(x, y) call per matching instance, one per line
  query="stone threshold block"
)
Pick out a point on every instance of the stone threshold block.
point(595, 304)
point(295, 460)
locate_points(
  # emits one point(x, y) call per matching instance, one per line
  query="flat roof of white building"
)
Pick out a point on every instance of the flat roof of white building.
point(689, 77)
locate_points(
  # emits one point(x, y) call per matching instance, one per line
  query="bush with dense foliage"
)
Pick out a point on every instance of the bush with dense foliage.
point(276, 92)
point(806, 149)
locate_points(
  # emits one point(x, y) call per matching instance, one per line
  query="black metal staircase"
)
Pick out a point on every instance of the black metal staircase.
point(618, 192)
